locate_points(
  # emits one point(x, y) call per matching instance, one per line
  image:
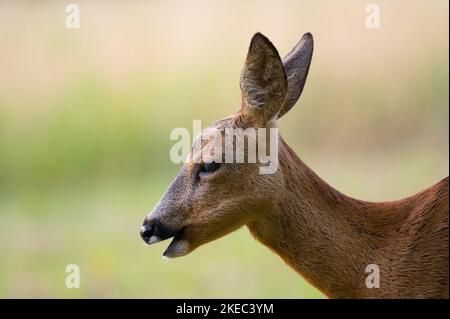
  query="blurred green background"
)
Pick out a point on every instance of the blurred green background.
point(85, 117)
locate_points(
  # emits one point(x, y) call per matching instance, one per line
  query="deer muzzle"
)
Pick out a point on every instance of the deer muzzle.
point(154, 231)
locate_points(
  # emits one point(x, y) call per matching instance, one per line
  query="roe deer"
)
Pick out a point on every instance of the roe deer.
point(326, 236)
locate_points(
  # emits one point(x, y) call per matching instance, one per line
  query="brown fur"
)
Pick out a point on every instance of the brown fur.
point(326, 236)
point(330, 238)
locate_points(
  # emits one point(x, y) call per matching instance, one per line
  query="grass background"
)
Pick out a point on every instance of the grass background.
point(85, 117)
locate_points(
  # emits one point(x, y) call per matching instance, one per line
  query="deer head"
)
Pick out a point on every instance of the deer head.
point(208, 200)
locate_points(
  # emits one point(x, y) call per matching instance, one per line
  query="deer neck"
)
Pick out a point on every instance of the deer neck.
point(324, 235)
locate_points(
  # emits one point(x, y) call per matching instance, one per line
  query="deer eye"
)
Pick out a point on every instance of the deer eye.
point(209, 167)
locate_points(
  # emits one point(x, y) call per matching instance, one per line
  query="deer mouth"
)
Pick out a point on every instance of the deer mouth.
point(156, 232)
point(179, 246)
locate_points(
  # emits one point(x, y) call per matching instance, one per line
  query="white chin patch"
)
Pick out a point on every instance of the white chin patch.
point(177, 248)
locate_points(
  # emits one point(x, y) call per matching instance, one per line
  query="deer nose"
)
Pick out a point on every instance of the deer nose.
point(153, 231)
point(147, 231)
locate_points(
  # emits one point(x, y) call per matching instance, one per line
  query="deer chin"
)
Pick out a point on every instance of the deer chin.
point(178, 247)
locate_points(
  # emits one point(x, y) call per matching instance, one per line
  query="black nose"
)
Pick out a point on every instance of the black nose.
point(147, 231)
point(157, 230)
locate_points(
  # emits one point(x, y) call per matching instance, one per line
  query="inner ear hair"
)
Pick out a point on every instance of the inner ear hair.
point(263, 81)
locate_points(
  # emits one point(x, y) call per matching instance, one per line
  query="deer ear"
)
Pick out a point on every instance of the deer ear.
point(263, 82)
point(296, 64)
